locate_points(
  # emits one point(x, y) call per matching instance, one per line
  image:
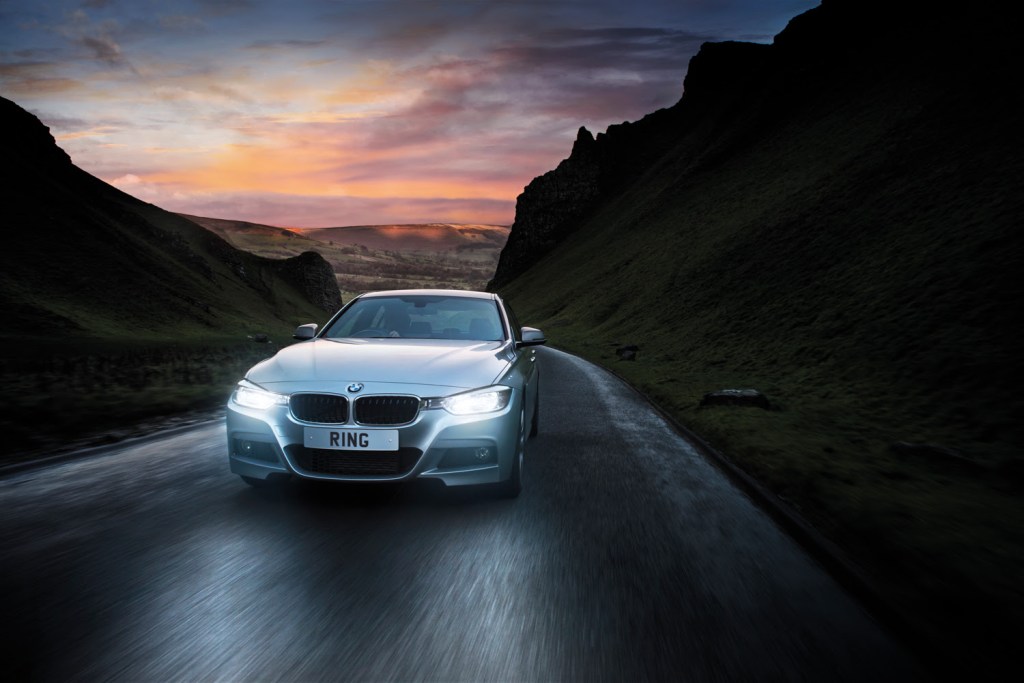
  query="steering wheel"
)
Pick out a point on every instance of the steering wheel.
point(370, 332)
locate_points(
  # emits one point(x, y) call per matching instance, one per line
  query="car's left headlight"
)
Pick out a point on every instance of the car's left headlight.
point(478, 401)
point(251, 396)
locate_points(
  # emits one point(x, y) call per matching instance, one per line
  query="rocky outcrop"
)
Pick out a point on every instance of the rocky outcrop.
point(551, 206)
point(313, 276)
point(627, 352)
point(751, 398)
point(33, 144)
point(731, 90)
point(554, 205)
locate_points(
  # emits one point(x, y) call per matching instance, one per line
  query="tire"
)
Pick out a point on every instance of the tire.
point(513, 486)
point(535, 422)
point(270, 482)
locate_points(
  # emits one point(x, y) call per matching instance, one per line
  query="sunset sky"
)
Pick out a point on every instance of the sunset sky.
point(343, 112)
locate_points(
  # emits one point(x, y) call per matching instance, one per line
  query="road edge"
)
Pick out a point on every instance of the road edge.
point(53, 458)
point(823, 551)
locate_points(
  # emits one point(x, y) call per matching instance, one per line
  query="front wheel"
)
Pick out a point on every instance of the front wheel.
point(535, 422)
point(270, 482)
point(513, 486)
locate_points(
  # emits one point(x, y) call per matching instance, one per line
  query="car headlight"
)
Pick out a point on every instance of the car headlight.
point(486, 400)
point(251, 396)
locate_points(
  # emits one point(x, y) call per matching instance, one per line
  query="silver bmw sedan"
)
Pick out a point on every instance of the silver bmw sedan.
point(439, 384)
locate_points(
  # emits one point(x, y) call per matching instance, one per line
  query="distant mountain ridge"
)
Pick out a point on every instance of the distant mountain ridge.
point(227, 227)
point(429, 236)
point(371, 257)
point(410, 236)
point(81, 256)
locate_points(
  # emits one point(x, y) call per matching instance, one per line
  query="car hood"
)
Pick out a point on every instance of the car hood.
point(326, 364)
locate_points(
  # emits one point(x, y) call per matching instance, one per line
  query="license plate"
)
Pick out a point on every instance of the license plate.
point(351, 439)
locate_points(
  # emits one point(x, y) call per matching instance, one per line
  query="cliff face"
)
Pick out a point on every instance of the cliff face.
point(734, 91)
point(312, 276)
point(553, 205)
point(81, 255)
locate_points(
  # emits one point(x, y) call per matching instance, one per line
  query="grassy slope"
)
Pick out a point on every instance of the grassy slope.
point(855, 259)
point(115, 267)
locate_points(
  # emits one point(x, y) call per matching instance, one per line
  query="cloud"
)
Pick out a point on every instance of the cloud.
point(104, 49)
point(270, 45)
point(321, 109)
point(34, 79)
point(40, 86)
point(95, 40)
point(626, 49)
point(93, 132)
point(219, 8)
point(181, 22)
point(296, 210)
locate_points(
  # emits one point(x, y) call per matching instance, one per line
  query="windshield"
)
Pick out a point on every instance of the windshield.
point(420, 317)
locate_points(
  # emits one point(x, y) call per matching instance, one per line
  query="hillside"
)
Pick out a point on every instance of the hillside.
point(229, 229)
point(371, 257)
point(833, 219)
point(114, 308)
point(82, 256)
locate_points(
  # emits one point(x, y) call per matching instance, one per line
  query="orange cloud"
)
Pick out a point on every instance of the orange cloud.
point(98, 132)
point(318, 173)
point(252, 168)
point(38, 86)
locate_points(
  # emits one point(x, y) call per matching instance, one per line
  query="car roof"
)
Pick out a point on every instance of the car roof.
point(464, 293)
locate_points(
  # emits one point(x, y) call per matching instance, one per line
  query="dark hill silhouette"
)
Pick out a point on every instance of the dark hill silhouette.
point(833, 219)
point(82, 258)
point(737, 93)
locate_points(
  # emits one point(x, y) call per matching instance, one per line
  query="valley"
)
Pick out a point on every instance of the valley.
point(372, 257)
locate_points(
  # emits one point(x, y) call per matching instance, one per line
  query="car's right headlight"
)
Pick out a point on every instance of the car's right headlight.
point(251, 396)
point(476, 402)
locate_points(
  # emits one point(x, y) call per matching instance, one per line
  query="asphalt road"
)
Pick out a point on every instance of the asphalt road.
point(627, 557)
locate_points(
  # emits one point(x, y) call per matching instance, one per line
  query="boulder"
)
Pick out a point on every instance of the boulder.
point(736, 397)
point(627, 352)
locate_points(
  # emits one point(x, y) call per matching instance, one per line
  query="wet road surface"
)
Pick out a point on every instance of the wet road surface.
point(627, 557)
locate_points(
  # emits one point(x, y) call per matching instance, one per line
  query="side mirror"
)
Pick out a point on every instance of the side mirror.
point(531, 337)
point(307, 331)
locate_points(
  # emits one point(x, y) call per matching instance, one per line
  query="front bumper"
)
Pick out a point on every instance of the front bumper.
point(459, 450)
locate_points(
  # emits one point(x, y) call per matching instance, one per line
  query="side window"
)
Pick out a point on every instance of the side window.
point(517, 329)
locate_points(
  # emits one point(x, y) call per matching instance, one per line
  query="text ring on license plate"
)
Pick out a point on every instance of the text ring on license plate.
point(351, 439)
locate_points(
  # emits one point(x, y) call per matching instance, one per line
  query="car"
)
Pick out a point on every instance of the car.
point(398, 385)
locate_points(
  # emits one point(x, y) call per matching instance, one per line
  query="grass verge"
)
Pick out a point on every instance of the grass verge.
point(943, 541)
point(57, 395)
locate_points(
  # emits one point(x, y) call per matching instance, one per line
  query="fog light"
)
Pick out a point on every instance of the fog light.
point(468, 456)
point(253, 450)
